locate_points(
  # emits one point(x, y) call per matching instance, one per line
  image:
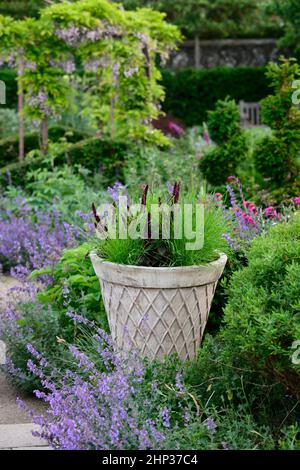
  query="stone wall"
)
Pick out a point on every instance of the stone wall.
point(225, 52)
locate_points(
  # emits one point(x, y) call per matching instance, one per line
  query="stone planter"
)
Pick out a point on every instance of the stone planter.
point(158, 311)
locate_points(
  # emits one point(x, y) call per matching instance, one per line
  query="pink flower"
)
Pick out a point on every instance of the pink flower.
point(232, 179)
point(296, 201)
point(175, 128)
point(218, 196)
point(248, 219)
point(206, 136)
point(269, 210)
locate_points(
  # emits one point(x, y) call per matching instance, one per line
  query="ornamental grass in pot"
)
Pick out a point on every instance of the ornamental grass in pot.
point(158, 263)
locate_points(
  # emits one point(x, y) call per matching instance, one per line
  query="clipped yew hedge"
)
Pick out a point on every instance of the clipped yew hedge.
point(99, 156)
point(190, 93)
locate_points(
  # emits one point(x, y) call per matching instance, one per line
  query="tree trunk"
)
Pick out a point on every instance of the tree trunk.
point(21, 111)
point(44, 135)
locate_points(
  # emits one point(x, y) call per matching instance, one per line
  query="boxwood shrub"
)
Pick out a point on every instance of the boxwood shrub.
point(99, 156)
point(9, 147)
point(262, 316)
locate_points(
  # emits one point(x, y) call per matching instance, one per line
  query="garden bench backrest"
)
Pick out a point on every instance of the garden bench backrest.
point(250, 114)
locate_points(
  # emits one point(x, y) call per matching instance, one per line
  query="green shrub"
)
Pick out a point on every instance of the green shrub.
point(75, 287)
point(8, 76)
point(37, 324)
point(277, 157)
point(9, 147)
point(262, 317)
point(190, 93)
point(15, 173)
point(106, 157)
point(156, 166)
point(8, 122)
point(220, 162)
point(223, 122)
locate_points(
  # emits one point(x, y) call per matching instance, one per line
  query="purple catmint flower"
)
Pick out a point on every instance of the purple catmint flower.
point(187, 418)
point(165, 417)
point(117, 190)
point(33, 239)
point(96, 408)
point(210, 424)
point(170, 188)
point(179, 384)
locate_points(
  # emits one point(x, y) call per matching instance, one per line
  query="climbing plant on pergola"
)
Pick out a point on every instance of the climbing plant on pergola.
point(118, 52)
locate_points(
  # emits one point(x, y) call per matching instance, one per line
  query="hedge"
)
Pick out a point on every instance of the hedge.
point(9, 147)
point(8, 76)
point(190, 93)
point(97, 155)
point(106, 157)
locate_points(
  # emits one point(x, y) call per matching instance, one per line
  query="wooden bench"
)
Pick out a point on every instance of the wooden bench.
point(250, 114)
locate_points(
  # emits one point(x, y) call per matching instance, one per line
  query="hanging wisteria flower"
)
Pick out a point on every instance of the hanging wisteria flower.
point(129, 72)
point(68, 66)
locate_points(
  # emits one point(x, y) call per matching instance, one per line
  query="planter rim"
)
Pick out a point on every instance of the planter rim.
point(158, 277)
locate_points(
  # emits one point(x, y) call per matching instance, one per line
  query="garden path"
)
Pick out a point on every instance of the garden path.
point(15, 425)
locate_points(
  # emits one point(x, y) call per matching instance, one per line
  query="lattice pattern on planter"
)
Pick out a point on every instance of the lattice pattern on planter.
point(158, 322)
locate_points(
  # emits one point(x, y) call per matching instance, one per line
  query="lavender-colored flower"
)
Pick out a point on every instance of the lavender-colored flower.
point(170, 187)
point(179, 384)
point(210, 424)
point(129, 72)
point(117, 190)
point(68, 66)
point(33, 239)
point(92, 408)
point(165, 417)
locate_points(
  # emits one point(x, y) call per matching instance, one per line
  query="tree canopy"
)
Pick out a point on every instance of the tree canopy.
point(115, 50)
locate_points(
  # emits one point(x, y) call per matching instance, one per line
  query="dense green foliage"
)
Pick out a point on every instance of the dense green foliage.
point(9, 147)
point(8, 76)
point(21, 8)
point(171, 250)
point(289, 13)
point(220, 162)
point(75, 287)
point(105, 158)
point(191, 93)
point(156, 166)
point(277, 156)
point(262, 313)
point(123, 95)
point(216, 18)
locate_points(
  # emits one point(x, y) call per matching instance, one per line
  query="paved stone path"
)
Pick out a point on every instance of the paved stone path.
point(15, 425)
